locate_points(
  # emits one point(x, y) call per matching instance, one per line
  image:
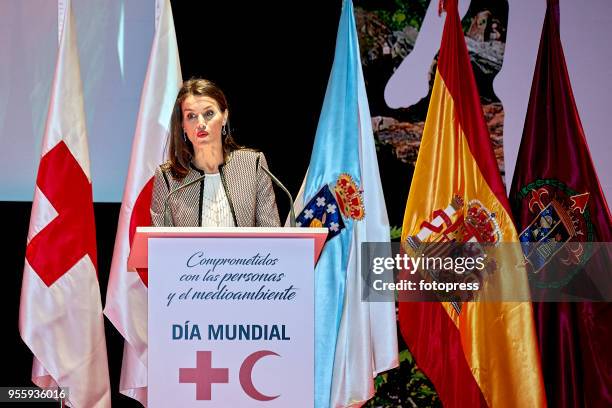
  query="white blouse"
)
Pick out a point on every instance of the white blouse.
point(216, 211)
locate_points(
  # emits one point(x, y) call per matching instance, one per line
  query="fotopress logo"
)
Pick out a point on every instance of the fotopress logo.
point(446, 274)
point(439, 272)
point(470, 272)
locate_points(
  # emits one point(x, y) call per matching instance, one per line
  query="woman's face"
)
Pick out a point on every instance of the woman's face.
point(202, 120)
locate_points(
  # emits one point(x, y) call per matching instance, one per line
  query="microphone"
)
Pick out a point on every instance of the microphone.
point(282, 187)
point(198, 179)
point(171, 193)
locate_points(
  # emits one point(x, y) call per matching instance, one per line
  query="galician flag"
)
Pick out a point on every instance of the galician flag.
point(126, 298)
point(354, 340)
point(475, 353)
point(60, 314)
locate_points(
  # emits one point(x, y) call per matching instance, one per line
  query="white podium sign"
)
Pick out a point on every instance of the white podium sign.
point(231, 322)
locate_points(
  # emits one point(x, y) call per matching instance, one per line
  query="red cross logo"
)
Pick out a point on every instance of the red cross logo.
point(204, 375)
point(72, 234)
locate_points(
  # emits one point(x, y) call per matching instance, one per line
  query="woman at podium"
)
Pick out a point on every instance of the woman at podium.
point(209, 180)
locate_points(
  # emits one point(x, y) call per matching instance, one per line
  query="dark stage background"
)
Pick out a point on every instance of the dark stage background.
point(273, 60)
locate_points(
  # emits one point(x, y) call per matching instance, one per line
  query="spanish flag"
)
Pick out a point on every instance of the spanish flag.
point(475, 353)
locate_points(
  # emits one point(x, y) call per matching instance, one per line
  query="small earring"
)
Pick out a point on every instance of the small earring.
point(184, 136)
point(223, 130)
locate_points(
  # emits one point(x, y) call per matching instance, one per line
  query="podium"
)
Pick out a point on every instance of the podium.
point(230, 315)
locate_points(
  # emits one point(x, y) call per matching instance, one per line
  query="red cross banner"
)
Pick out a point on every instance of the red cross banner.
point(126, 295)
point(60, 315)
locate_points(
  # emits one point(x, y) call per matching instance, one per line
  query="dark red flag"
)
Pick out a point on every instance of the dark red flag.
point(555, 177)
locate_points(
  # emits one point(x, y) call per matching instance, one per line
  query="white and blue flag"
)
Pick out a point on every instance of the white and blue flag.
point(354, 340)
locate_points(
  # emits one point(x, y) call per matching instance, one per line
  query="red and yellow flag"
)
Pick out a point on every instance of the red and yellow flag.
point(481, 353)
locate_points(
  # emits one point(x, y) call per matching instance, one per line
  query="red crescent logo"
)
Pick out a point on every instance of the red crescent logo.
point(246, 375)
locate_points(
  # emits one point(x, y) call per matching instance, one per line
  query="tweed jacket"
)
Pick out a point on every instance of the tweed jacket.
point(248, 189)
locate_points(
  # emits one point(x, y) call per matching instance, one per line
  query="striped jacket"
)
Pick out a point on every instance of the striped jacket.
point(248, 189)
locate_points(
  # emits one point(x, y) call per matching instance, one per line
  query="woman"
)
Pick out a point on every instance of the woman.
point(235, 191)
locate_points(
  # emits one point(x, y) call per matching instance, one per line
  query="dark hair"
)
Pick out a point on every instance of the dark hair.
point(181, 150)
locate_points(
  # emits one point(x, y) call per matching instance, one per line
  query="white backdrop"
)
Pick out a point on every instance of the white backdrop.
point(114, 39)
point(114, 43)
point(585, 34)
